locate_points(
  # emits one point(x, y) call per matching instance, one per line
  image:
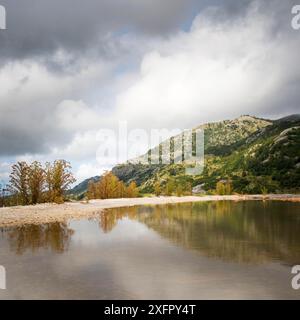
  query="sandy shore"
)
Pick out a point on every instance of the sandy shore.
point(46, 213)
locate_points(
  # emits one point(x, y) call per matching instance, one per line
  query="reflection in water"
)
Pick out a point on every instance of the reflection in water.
point(248, 232)
point(54, 236)
point(158, 252)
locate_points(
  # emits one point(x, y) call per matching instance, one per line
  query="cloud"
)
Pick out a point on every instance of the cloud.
point(4, 172)
point(68, 70)
point(35, 113)
point(87, 170)
point(219, 69)
point(38, 28)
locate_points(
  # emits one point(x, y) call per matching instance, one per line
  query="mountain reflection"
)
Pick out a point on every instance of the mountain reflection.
point(247, 232)
point(53, 236)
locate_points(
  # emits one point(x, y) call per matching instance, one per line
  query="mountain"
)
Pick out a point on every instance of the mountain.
point(80, 189)
point(290, 118)
point(256, 155)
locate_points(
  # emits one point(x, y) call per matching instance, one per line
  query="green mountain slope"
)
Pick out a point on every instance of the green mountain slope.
point(257, 155)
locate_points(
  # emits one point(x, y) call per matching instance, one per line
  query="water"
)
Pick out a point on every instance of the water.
point(215, 250)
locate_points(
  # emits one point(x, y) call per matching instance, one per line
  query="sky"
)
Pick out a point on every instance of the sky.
point(70, 69)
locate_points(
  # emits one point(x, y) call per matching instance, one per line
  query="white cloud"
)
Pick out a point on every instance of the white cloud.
point(76, 116)
point(220, 68)
point(217, 70)
point(4, 172)
point(35, 112)
point(87, 170)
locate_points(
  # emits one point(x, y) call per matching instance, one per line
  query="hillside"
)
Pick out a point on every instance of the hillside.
point(256, 155)
point(80, 189)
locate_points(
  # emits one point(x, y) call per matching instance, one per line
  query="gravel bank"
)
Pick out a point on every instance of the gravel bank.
point(47, 213)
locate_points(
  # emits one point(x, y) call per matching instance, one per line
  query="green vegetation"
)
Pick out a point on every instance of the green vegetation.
point(256, 156)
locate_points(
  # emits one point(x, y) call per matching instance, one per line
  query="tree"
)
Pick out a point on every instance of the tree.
point(157, 189)
point(49, 182)
point(121, 190)
point(19, 181)
point(224, 187)
point(31, 184)
point(132, 190)
point(58, 179)
point(91, 192)
point(179, 191)
point(189, 188)
point(110, 187)
point(36, 182)
point(3, 190)
point(220, 188)
point(228, 187)
point(170, 187)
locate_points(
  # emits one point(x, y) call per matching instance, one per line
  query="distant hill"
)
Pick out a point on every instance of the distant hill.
point(80, 189)
point(257, 155)
point(290, 118)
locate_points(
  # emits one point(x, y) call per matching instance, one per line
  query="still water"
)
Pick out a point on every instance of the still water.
point(214, 250)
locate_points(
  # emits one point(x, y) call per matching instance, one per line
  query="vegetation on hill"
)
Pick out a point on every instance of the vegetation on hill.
point(246, 155)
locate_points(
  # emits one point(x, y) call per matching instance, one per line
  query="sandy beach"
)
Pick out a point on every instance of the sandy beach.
point(47, 213)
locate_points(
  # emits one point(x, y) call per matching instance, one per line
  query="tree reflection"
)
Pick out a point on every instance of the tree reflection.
point(247, 232)
point(53, 236)
point(109, 218)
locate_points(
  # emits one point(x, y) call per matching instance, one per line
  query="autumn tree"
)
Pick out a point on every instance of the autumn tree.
point(109, 187)
point(179, 191)
point(157, 189)
point(132, 190)
point(58, 178)
point(121, 190)
point(36, 182)
point(91, 191)
point(19, 182)
point(31, 183)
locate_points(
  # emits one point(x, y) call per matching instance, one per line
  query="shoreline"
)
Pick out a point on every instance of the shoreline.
point(49, 213)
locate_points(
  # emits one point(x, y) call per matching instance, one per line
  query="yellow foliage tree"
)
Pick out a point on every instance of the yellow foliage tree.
point(110, 187)
point(220, 188)
point(157, 189)
point(36, 181)
point(179, 191)
point(132, 190)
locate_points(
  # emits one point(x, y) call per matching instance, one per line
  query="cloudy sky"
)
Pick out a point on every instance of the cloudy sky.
point(71, 68)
